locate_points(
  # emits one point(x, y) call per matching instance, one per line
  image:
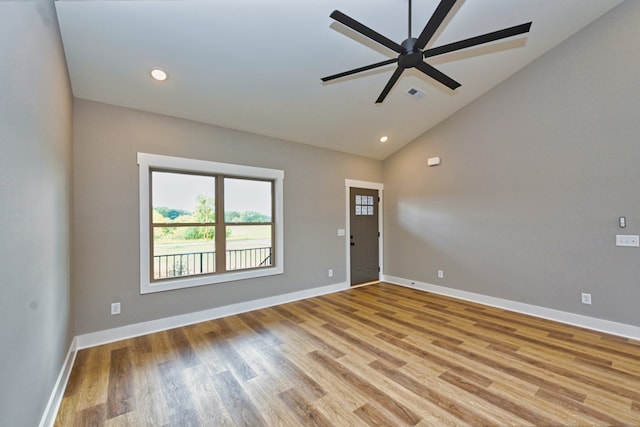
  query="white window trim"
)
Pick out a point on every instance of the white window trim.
point(147, 162)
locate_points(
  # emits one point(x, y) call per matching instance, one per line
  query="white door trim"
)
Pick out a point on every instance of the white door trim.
point(349, 183)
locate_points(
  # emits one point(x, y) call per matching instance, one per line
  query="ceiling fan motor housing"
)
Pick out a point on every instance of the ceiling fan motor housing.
point(410, 55)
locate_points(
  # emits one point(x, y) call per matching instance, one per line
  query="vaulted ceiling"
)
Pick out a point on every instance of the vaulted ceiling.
point(255, 65)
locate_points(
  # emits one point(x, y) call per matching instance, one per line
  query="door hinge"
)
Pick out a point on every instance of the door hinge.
point(378, 234)
point(378, 269)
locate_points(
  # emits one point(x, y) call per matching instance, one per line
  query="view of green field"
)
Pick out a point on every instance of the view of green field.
point(238, 237)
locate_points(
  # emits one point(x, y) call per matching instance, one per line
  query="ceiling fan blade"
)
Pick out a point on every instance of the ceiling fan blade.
point(434, 23)
point(478, 40)
point(359, 70)
point(392, 81)
point(437, 75)
point(365, 31)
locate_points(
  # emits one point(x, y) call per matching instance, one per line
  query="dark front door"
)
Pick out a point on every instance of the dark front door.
point(364, 235)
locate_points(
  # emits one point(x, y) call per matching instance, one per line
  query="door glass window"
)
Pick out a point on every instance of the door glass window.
point(364, 205)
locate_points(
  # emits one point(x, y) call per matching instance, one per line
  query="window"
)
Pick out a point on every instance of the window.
point(364, 205)
point(205, 222)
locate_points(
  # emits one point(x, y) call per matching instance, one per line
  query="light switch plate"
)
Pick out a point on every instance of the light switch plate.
point(628, 240)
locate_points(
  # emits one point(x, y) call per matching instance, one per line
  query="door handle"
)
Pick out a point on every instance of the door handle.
point(353, 244)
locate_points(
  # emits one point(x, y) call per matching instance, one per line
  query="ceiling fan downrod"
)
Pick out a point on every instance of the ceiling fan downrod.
point(409, 26)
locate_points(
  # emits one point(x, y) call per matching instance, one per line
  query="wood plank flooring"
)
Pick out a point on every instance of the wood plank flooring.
point(379, 355)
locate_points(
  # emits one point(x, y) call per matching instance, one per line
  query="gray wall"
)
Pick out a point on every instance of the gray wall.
point(534, 176)
point(35, 209)
point(106, 244)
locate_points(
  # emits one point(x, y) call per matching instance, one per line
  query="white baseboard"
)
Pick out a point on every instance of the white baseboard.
point(49, 416)
point(130, 331)
point(595, 324)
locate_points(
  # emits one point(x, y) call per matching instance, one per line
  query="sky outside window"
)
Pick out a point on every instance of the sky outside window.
point(180, 191)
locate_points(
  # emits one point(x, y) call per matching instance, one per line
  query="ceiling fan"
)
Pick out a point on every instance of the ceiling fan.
point(412, 50)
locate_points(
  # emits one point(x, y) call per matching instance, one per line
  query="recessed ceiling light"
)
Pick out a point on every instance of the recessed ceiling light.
point(158, 74)
point(384, 138)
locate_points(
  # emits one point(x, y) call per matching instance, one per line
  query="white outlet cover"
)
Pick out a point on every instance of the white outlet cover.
point(115, 308)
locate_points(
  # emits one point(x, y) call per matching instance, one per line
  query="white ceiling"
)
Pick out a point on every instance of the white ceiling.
point(255, 65)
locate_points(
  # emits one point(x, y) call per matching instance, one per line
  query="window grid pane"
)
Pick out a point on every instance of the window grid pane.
point(182, 197)
point(247, 201)
point(249, 246)
point(179, 257)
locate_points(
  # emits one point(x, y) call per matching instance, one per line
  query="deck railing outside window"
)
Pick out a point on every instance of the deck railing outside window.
point(192, 263)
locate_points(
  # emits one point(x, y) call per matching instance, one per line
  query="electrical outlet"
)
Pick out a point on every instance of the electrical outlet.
point(115, 308)
point(586, 298)
point(440, 274)
point(330, 273)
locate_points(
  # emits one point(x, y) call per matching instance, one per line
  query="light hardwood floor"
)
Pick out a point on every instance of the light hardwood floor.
point(378, 355)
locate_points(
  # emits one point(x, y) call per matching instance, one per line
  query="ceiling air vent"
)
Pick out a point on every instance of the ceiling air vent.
point(416, 93)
